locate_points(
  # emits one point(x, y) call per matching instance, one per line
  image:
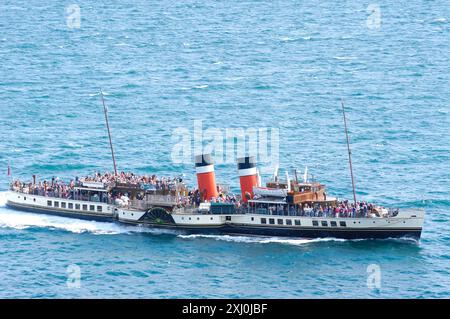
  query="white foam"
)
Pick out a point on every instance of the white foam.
point(22, 220)
point(261, 240)
point(286, 39)
point(344, 57)
point(204, 86)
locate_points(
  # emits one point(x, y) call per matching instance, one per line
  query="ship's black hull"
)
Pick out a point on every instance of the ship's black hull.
point(304, 232)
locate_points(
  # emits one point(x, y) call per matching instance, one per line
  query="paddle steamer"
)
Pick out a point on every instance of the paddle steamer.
point(283, 207)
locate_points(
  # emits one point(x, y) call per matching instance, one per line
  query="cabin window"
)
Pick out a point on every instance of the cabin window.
point(77, 206)
point(271, 221)
point(34, 199)
point(253, 218)
point(343, 224)
point(280, 222)
point(70, 205)
point(288, 222)
point(49, 203)
point(315, 223)
point(24, 198)
point(56, 204)
point(324, 223)
point(228, 218)
point(99, 208)
point(92, 207)
point(263, 221)
point(84, 207)
point(333, 224)
point(63, 205)
point(297, 222)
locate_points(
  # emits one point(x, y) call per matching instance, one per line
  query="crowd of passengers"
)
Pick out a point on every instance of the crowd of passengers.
point(342, 209)
point(59, 188)
point(129, 178)
point(190, 198)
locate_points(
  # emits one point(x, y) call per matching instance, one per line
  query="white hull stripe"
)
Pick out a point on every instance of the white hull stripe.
point(204, 169)
point(247, 171)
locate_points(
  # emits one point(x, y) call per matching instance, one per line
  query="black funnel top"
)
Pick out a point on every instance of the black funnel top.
point(203, 160)
point(246, 162)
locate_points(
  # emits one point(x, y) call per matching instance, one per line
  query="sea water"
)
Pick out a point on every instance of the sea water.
point(280, 65)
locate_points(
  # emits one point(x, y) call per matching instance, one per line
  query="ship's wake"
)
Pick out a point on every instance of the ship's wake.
point(23, 220)
point(288, 241)
point(262, 240)
point(19, 220)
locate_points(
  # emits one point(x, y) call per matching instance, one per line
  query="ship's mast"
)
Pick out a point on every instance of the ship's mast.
point(349, 151)
point(105, 109)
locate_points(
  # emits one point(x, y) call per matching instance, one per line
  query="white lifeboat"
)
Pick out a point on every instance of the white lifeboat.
point(274, 192)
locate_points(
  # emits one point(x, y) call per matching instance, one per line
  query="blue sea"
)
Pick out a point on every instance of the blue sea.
point(283, 65)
